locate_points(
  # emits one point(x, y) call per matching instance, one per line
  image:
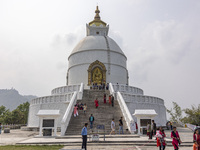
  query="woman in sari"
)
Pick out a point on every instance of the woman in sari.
point(175, 138)
point(110, 99)
point(160, 139)
point(196, 138)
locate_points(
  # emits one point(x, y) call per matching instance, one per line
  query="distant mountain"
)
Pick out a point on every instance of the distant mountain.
point(10, 98)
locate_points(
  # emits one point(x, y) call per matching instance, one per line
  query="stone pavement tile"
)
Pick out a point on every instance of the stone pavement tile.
point(48, 140)
point(15, 136)
point(121, 148)
point(186, 134)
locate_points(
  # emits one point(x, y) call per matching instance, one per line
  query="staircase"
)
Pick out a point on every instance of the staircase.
point(103, 114)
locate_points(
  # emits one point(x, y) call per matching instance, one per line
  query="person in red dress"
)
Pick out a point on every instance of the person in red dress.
point(160, 134)
point(175, 138)
point(96, 103)
point(110, 99)
point(196, 138)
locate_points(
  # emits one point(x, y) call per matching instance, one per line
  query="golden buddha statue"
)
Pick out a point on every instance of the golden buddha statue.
point(97, 75)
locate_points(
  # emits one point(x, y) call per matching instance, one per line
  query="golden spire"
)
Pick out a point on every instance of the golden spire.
point(97, 19)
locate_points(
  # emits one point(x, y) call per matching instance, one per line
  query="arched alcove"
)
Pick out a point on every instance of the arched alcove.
point(97, 73)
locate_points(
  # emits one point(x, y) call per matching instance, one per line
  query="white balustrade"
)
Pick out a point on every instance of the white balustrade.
point(142, 99)
point(80, 93)
point(52, 99)
point(190, 126)
point(127, 89)
point(111, 89)
point(125, 111)
point(65, 89)
point(67, 116)
point(68, 113)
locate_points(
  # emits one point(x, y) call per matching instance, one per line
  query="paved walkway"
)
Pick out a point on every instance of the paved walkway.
point(111, 143)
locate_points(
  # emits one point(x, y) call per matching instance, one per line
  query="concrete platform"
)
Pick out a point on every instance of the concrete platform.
point(123, 142)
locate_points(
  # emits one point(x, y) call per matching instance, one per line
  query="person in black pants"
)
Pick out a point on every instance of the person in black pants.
point(84, 136)
point(112, 100)
point(153, 129)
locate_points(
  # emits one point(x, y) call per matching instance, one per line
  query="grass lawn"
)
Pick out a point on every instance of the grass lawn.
point(31, 147)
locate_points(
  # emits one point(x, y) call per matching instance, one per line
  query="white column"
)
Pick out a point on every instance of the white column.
point(138, 122)
point(41, 121)
point(55, 127)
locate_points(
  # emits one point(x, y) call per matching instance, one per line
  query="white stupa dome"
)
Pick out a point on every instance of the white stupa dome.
point(96, 43)
point(97, 58)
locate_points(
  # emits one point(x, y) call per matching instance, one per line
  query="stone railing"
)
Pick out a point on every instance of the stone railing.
point(142, 99)
point(67, 116)
point(65, 89)
point(125, 111)
point(111, 89)
point(80, 92)
point(191, 126)
point(52, 99)
point(127, 89)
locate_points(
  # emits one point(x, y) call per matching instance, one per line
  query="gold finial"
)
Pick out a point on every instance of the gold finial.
point(97, 17)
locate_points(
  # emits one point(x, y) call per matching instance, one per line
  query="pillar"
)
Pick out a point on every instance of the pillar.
point(138, 122)
point(55, 127)
point(41, 121)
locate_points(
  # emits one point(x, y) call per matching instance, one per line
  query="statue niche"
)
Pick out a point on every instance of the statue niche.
point(96, 73)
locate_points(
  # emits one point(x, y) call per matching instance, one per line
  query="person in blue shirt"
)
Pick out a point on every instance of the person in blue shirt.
point(84, 136)
point(91, 119)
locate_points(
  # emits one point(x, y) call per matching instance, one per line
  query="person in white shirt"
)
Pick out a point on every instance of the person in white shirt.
point(112, 127)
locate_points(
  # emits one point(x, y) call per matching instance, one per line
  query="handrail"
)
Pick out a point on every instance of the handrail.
point(80, 93)
point(111, 89)
point(191, 126)
point(125, 111)
point(67, 115)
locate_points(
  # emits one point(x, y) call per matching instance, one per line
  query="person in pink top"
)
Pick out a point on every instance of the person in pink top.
point(175, 138)
point(160, 134)
point(75, 110)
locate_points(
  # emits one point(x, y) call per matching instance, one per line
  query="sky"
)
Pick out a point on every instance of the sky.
point(161, 40)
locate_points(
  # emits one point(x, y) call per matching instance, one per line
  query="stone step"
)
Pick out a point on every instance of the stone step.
point(103, 114)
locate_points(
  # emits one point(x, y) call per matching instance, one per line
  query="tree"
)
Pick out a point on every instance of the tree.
point(176, 112)
point(3, 114)
point(20, 114)
point(7, 118)
point(24, 108)
point(192, 115)
point(2, 110)
point(17, 116)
